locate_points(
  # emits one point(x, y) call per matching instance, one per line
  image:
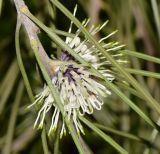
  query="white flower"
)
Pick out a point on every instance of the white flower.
point(90, 53)
point(81, 91)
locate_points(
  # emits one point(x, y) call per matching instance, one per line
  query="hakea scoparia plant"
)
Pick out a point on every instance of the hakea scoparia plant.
point(81, 91)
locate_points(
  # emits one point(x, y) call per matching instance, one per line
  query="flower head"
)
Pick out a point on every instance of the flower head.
point(81, 91)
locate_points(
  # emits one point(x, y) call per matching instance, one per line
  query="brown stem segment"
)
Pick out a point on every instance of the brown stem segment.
point(32, 31)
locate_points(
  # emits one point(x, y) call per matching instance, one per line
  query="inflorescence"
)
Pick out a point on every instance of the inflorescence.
point(81, 91)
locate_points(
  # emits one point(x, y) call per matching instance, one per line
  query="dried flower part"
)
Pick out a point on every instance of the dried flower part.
point(80, 90)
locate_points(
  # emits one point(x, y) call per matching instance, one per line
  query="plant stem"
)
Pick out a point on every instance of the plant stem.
point(12, 121)
point(106, 137)
point(8, 85)
point(123, 134)
point(44, 141)
point(141, 56)
point(32, 31)
point(143, 73)
point(56, 143)
point(20, 62)
point(45, 66)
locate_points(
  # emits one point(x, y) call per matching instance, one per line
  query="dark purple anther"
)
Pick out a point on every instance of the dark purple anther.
point(65, 56)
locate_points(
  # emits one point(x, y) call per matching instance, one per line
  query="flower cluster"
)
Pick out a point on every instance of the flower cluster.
point(80, 93)
point(80, 90)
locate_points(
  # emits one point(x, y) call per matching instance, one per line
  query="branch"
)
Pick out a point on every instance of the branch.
point(46, 65)
point(32, 31)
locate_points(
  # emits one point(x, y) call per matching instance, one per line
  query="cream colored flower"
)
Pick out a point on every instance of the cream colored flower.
point(80, 94)
point(81, 91)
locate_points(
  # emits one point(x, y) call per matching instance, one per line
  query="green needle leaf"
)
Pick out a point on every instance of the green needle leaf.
point(106, 137)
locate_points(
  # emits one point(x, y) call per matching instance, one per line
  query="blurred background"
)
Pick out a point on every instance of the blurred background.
point(137, 29)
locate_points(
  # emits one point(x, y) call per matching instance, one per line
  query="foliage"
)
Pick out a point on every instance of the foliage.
point(129, 119)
